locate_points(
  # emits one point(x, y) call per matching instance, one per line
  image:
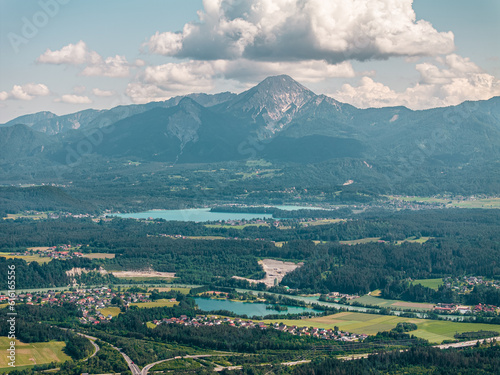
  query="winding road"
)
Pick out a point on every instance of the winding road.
point(92, 341)
point(145, 370)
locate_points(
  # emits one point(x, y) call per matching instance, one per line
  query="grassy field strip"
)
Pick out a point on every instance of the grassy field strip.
point(469, 203)
point(419, 240)
point(382, 302)
point(113, 311)
point(32, 354)
point(158, 303)
point(429, 283)
point(99, 256)
point(321, 222)
point(361, 241)
point(234, 226)
point(433, 330)
point(22, 216)
point(27, 258)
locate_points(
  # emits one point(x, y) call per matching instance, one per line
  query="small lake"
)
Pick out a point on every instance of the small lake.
point(246, 308)
point(203, 214)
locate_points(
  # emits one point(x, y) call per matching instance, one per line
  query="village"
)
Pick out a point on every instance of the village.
point(320, 333)
point(91, 302)
point(94, 304)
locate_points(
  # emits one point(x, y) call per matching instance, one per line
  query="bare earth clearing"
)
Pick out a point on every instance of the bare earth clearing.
point(147, 273)
point(275, 270)
point(414, 305)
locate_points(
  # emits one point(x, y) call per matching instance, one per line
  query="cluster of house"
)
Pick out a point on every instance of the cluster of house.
point(53, 215)
point(89, 301)
point(453, 308)
point(466, 284)
point(321, 333)
point(336, 296)
point(56, 252)
point(401, 204)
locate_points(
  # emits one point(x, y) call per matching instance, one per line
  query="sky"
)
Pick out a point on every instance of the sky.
point(65, 56)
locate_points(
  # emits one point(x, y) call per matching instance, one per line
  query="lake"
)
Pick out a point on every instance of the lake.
point(203, 214)
point(249, 309)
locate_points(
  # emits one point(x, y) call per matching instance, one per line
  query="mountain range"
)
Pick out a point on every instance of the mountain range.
point(278, 120)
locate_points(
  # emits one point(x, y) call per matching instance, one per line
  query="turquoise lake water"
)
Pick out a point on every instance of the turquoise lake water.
point(202, 214)
point(250, 309)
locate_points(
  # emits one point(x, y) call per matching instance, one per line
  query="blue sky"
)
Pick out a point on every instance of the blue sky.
point(68, 55)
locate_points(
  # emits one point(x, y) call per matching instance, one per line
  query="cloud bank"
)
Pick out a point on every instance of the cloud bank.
point(294, 30)
point(25, 92)
point(450, 81)
point(93, 64)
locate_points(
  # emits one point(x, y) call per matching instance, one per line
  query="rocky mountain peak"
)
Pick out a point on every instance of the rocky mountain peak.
point(276, 100)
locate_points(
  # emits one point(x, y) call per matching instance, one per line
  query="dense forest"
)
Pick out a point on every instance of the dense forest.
point(405, 290)
point(460, 242)
point(51, 274)
point(414, 361)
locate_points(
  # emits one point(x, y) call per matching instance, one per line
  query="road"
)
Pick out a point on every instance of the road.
point(131, 365)
point(145, 371)
point(92, 341)
point(463, 344)
point(466, 343)
point(146, 368)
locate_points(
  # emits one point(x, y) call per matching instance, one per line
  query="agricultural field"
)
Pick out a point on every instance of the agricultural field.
point(235, 226)
point(263, 173)
point(393, 304)
point(433, 330)
point(486, 203)
point(26, 216)
point(143, 275)
point(27, 258)
point(99, 256)
point(32, 353)
point(175, 289)
point(205, 237)
point(361, 241)
point(113, 311)
point(158, 303)
point(429, 283)
point(321, 222)
point(478, 203)
point(39, 248)
point(419, 240)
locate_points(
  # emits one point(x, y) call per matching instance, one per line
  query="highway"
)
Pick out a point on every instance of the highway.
point(466, 343)
point(131, 365)
point(146, 368)
point(145, 371)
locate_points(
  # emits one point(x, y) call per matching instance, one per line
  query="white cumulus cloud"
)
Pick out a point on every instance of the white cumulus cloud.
point(99, 92)
point(25, 92)
point(161, 82)
point(93, 64)
point(291, 30)
point(74, 99)
point(450, 81)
